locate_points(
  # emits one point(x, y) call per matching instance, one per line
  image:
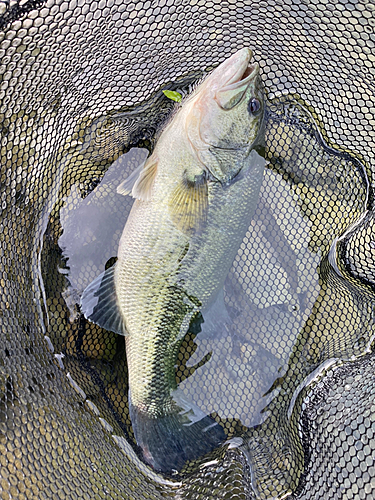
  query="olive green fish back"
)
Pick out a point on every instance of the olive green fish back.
point(290, 378)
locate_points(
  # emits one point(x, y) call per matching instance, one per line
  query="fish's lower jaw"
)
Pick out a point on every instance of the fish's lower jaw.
point(168, 442)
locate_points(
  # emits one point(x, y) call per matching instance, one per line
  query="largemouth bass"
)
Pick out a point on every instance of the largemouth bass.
point(195, 197)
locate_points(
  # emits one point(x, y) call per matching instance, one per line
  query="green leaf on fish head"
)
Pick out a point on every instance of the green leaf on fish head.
point(188, 204)
point(172, 94)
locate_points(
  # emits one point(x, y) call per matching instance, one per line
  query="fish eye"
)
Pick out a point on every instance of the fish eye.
point(254, 106)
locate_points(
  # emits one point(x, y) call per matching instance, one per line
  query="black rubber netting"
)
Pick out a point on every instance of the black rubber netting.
point(80, 105)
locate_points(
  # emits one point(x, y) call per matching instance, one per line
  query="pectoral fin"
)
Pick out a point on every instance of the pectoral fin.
point(188, 204)
point(139, 183)
point(99, 303)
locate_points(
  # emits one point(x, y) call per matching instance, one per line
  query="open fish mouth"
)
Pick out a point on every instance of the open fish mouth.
point(246, 76)
point(244, 72)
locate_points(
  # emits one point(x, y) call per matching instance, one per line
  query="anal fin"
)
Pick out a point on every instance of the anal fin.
point(99, 303)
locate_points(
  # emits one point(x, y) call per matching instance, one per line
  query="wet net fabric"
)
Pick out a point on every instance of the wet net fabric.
point(80, 107)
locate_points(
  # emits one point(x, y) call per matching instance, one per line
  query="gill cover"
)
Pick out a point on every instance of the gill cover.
point(219, 123)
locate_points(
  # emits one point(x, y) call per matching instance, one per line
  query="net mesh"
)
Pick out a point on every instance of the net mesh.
point(290, 379)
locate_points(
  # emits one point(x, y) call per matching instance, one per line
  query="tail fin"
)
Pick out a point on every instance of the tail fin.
point(168, 442)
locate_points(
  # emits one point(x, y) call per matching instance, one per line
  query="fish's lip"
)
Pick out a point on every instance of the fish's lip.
point(241, 60)
point(250, 73)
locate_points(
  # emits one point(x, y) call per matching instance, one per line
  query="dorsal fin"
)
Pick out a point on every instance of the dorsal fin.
point(99, 303)
point(140, 182)
point(127, 185)
point(188, 204)
point(192, 127)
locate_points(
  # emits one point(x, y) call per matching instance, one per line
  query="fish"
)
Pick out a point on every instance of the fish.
point(194, 200)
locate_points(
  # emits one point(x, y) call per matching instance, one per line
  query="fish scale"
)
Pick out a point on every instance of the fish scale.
point(195, 198)
point(202, 271)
